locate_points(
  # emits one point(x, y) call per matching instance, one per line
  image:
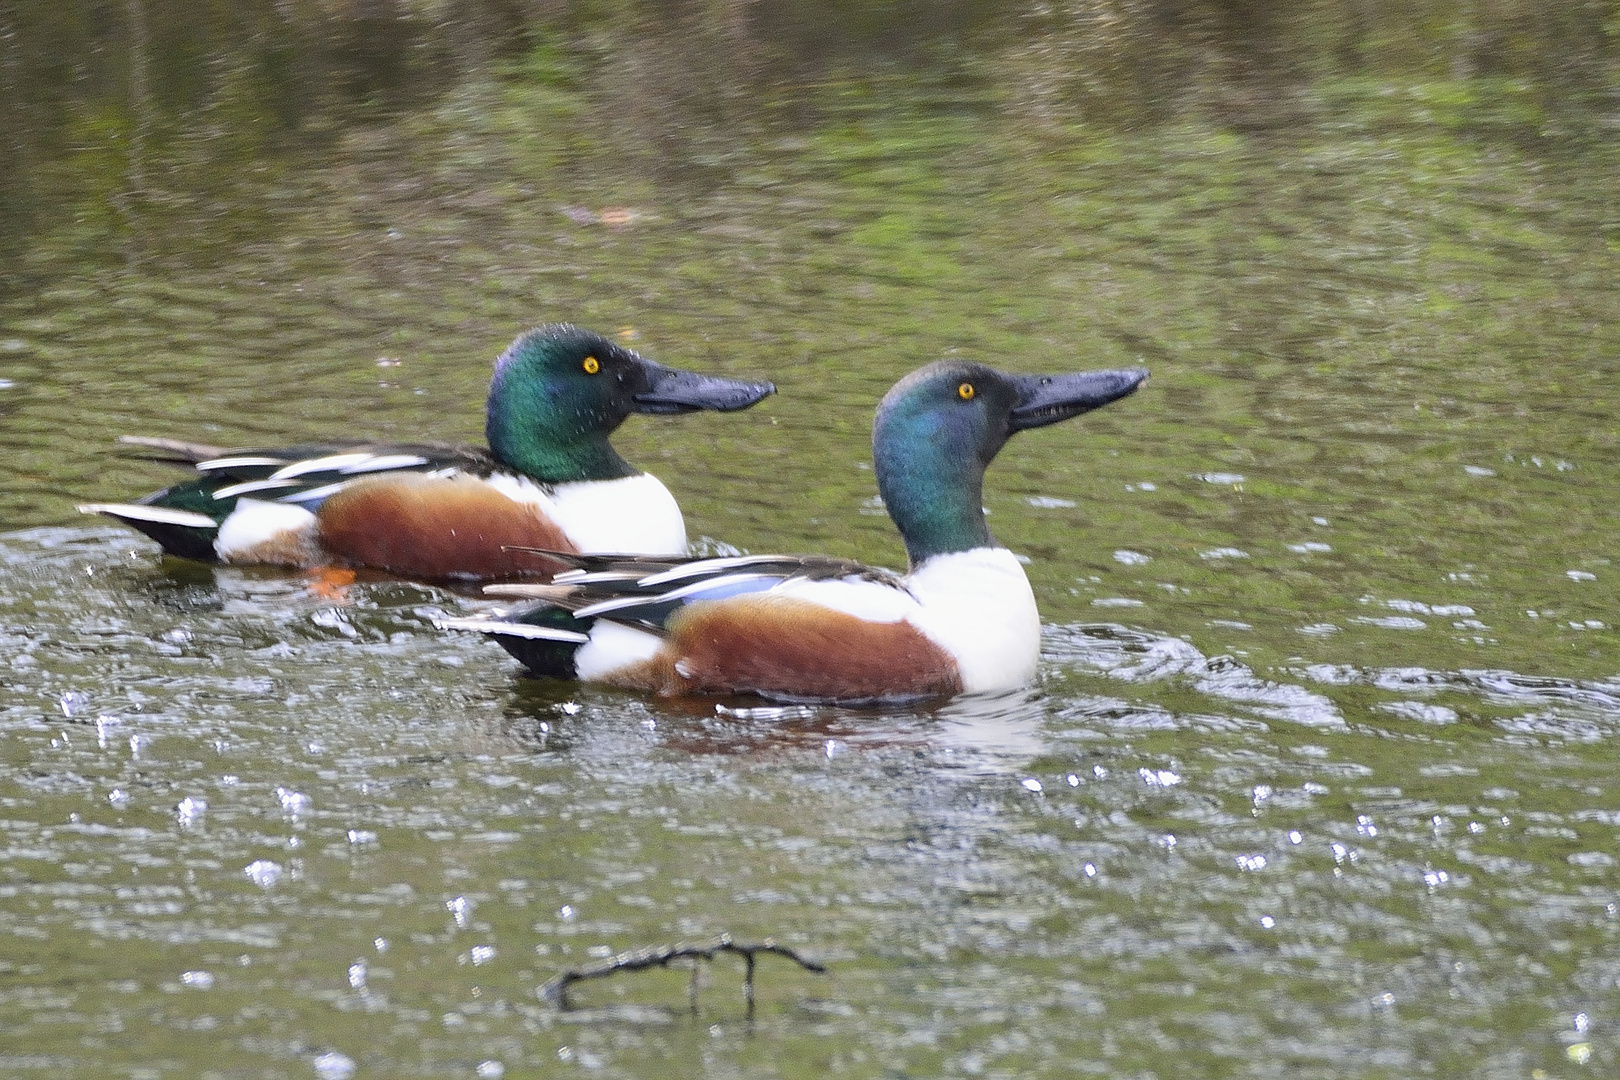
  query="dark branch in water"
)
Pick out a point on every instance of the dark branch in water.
point(661, 956)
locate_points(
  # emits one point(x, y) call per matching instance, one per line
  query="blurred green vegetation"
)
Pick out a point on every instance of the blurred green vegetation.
point(136, 116)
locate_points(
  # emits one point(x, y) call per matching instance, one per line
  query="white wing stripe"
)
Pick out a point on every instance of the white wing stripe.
point(238, 463)
point(705, 566)
point(703, 586)
point(331, 463)
point(249, 486)
point(383, 462)
point(162, 515)
point(315, 493)
point(513, 629)
point(587, 577)
point(528, 591)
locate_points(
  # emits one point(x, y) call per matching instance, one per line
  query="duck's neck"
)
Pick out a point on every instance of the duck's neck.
point(540, 436)
point(933, 491)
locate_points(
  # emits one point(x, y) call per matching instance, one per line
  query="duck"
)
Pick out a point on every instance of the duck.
point(812, 628)
point(549, 479)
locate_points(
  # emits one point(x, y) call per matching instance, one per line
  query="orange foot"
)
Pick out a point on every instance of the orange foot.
point(330, 582)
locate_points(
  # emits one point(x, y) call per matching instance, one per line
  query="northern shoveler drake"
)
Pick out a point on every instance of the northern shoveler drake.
point(549, 479)
point(813, 628)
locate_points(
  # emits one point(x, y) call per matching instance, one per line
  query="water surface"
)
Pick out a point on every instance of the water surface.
point(1317, 778)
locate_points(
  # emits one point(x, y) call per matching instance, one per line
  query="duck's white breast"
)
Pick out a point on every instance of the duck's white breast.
point(634, 515)
point(613, 647)
point(977, 606)
point(272, 532)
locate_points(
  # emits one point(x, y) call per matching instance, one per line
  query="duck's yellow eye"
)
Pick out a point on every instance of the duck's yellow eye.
point(592, 365)
point(965, 391)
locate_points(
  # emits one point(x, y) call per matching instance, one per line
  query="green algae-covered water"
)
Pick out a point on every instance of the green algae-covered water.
point(1319, 776)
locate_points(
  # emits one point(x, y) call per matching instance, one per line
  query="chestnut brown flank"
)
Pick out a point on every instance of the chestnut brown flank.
point(778, 645)
point(437, 527)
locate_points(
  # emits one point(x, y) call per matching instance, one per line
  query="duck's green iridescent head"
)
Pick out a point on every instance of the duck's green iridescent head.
point(560, 391)
point(940, 426)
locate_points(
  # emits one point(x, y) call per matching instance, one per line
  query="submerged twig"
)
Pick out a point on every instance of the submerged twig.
point(661, 956)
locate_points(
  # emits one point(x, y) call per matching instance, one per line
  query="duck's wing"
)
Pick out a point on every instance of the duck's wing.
point(301, 475)
point(644, 592)
point(323, 461)
point(309, 472)
point(185, 518)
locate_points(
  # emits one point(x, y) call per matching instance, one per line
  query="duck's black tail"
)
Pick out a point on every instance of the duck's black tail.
point(542, 638)
point(185, 533)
